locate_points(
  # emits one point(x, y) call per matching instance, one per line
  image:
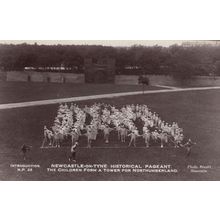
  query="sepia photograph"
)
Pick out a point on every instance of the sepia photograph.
point(109, 110)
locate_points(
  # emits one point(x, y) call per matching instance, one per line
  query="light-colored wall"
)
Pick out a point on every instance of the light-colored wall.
point(42, 76)
point(36, 77)
point(161, 80)
point(154, 79)
point(74, 78)
point(168, 80)
point(55, 77)
point(126, 79)
point(119, 79)
point(16, 76)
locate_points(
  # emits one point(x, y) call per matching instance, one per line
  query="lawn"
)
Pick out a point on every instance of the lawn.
point(22, 91)
point(197, 112)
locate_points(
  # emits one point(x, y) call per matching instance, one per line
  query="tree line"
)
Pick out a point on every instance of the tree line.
point(175, 60)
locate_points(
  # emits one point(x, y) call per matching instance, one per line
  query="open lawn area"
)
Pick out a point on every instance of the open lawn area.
point(22, 91)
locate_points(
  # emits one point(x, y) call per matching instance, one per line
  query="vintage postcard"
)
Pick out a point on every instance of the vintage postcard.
point(109, 110)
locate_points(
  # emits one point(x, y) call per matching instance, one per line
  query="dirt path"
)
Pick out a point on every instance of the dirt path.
point(112, 95)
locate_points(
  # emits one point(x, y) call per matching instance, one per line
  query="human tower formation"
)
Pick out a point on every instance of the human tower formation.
point(101, 120)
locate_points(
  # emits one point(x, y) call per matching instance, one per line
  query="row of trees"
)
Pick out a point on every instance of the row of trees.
point(176, 60)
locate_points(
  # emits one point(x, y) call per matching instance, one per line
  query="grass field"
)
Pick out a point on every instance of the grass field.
point(22, 91)
point(196, 111)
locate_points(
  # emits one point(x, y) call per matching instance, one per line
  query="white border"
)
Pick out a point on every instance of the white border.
point(109, 200)
point(109, 20)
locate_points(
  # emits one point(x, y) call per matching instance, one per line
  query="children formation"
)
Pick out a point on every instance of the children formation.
point(129, 122)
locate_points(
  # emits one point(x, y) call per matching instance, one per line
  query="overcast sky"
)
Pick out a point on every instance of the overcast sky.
point(123, 43)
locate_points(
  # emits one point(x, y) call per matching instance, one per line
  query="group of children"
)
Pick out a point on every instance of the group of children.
point(129, 123)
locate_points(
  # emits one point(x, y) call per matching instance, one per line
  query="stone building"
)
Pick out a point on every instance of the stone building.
point(99, 70)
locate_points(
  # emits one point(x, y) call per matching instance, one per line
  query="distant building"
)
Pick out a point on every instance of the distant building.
point(99, 70)
point(62, 67)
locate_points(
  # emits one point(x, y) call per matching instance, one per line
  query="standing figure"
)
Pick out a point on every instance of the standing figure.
point(178, 138)
point(74, 136)
point(73, 152)
point(58, 138)
point(123, 134)
point(48, 137)
point(94, 132)
point(107, 131)
point(118, 128)
point(89, 136)
point(163, 138)
point(188, 145)
point(134, 134)
point(146, 135)
point(24, 150)
point(155, 136)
